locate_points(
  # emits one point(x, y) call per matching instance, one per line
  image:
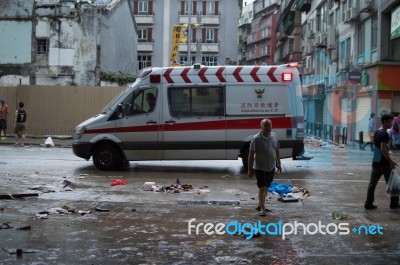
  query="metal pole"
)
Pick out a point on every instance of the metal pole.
point(189, 5)
point(354, 116)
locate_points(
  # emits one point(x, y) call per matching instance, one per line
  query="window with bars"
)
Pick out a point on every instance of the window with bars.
point(41, 47)
point(144, 61)
point(209, 60)
point(183, 59)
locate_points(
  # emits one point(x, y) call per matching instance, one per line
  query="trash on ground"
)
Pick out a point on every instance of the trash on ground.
point(117, 182)
point(350, 174)
point(6, 225)
point(290, 197)
point(280, 188)
point(174, 188)
point(44, 189)
point(339, 216)
point(19, 251)
point(305, 192)
point(68, 184)
point(195, 202)
point(39, 216)
point(81, 212)
point(17, 196)
point(24, 227)
point(98, 209)
point(49, 142)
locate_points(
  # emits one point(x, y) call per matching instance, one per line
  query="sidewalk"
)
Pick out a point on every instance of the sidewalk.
point(58, 140)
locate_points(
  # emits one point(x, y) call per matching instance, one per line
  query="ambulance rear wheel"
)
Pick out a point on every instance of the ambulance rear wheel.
point(106, 157)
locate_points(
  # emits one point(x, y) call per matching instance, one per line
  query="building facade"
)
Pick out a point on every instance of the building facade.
point(213, 41)
point(258, 37)
point(349, 64)
point(66, 42)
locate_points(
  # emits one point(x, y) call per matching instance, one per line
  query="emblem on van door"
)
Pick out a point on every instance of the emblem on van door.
point(259, 92)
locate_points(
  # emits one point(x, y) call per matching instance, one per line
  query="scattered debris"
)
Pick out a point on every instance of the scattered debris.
point(98, 209)
point(288, 198)
point(6, 225)
point(44, 189)
point(69, 184)
point(117, 182)
point(83, 212)
point(339, 216)
point(188, 202)
point(39, 216)
point(49, 142)
point(350, 174)
point(305, 192)
point(19, 251)
point(24, 227)
point(175, 188)
point(17, 196)
point(280, 188)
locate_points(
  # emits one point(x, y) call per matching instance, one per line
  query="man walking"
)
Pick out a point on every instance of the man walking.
point(263, 158)
point(382, 164)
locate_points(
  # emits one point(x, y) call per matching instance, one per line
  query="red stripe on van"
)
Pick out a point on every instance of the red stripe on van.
point(242, 124)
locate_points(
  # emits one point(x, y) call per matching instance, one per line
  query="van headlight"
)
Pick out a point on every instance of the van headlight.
point(78, 132)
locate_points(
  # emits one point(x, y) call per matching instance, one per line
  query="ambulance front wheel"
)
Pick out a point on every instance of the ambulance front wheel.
point(106, 157)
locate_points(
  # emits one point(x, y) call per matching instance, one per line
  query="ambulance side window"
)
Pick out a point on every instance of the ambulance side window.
point(140, 101)
point(196, 101)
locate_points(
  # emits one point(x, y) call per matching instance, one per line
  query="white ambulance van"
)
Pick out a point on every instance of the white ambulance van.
point(195, 113)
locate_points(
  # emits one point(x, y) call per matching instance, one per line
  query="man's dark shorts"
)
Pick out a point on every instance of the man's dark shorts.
point(264, 179)
point(3, 124)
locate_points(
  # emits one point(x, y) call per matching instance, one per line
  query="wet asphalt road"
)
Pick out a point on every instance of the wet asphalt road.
point(144, 227)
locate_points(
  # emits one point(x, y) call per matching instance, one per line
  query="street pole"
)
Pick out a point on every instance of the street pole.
point(189, 8)
point(354, 116)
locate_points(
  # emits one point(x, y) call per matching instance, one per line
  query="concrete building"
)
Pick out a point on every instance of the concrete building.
point(258, 37)
point(351, 54)
point(246, 17)
point(289, 30)
point(66, 42)
point(214, 42)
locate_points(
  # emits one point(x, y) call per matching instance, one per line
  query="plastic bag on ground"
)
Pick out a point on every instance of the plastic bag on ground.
point(280, 188)
point(49, 142)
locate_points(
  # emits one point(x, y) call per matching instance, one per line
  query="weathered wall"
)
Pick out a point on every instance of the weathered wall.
point(56, 110)
point(119, 40)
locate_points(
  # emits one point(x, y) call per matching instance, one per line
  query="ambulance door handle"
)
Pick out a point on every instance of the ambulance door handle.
point(151, 122)
point(170, 122)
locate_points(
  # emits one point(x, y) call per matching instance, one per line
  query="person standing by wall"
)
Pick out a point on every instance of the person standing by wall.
point(395, 132)
point(3, 119)
point(263, 158)
point(19, 124)
point(382, 164)
point(371, 130)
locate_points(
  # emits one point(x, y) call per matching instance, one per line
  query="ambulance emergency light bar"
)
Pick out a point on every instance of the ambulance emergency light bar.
point(286, 76)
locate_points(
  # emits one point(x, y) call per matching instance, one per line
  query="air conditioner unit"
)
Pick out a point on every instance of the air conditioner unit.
point(366, 5)
point(331, 39)
point(334, 55)
point(351, 14)
point(317, 39)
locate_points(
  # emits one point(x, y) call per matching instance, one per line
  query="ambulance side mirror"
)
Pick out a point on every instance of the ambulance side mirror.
point(119, 112)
